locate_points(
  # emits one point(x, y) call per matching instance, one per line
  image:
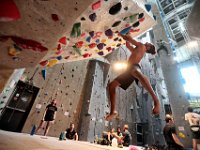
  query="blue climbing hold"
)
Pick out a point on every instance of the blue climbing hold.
point(125, 31)
point(97, 41)
point(148, 7)
point(59, 57)
point(44, 73)
point(88, 39)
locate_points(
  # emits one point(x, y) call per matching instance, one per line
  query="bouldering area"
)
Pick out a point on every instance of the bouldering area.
point(59, 61)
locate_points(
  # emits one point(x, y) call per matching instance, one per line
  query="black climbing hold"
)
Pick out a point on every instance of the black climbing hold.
point(136, 24)
point(109, 32)
point(115, 9)
point(91, 33)
point(83, 19)
point(118, 45)
point(115, 39)
point(116, 23)
point(126, 8)
point(93, 17)
point(101, 53)
point(100, 46)
point(120, 40)
point(141, 15)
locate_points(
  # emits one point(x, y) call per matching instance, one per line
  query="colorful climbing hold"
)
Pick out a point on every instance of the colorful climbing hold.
point(79, 44)
point(109, 33)
point(44, 63)
point(59, 52)
point(115, 8)
point(25, 43)
point(8, 11)
point(126, 8)
point(134, 30)
point(86, 55)
point(88, 39)
point(141, 15)
point(101, 53)
point(91, 33)
point(93, 17)
point(100, 46)
point(136, 24)
point(125, 31)
point(76, 30)
point(59, 57)
point(54, 17)
point(96, 5)
point(92, 45)
point(115, 24)
point(44, 73)
point(133, 18)
point(67, 57)
point(154, 17)
point(12, 51)
point(98, 34)
point(52, 62)
point(115, 39)
point(148, 7)
point(109, 49)
point(83, 35)
point(97, 41)
point(141, 19)
point(83, 19)
point(63, 40)
point(103, 40)
point(77, 50)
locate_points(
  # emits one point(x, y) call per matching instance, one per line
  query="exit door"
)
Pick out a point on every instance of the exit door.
point(18, 107)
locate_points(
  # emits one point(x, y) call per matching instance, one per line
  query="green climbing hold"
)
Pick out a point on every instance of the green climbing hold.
point(76, 30)
point(133, 18)
point(77, 50)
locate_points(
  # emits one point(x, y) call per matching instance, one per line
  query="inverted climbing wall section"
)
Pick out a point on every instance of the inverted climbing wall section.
point(53, 32)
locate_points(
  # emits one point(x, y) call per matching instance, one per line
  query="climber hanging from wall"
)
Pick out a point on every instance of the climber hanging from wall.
point(132, 73)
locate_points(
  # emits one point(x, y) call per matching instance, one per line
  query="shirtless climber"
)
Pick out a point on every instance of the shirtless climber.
point(132, 73)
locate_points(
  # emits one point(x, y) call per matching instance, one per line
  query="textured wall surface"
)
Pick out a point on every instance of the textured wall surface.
point(65, 83)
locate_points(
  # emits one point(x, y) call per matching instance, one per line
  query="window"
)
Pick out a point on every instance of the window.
point(191, 80)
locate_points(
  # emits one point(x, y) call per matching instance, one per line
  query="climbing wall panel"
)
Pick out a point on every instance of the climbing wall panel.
point(64, 30)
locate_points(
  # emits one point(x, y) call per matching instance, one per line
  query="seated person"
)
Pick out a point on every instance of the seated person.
point(107, 137)
point(71, 133)
point(126, 136)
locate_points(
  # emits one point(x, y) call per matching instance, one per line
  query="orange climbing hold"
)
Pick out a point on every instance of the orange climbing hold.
point(96, 5)
point(44, 63)
point(92, 45)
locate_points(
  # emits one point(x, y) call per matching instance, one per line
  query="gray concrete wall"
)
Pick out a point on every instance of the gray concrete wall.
point(65, 83)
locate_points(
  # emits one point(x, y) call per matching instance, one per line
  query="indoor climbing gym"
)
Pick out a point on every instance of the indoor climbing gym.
point(99, 75)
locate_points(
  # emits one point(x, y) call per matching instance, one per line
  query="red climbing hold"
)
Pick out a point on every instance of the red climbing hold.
point(92, 45)
point(54, 17)
point(8, 11)
point(79, 44)
point(109, 49)
point(44, 63)
point(98, 34)
point(86, 55)
point(83, 35)
point(134, 30)
point(25, 43)
point(96, 5)
point(59, 52)
point(127, 25)
point(59, 47)
point(63, 40)
point(141, 20)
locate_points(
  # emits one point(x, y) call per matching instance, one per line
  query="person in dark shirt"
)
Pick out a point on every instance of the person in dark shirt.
point(126, 136)
point(71, 133)
point(49, 117)
point(170, 135)
point(108, 137)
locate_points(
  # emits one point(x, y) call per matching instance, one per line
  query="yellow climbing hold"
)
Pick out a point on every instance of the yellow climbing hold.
point(96, 50)
point(103, 40)
point(52, 62)
point(113, 44)
point(12, 51)
point(181, 135)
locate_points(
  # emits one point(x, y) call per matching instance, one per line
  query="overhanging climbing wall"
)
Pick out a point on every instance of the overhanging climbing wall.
point(52, 32)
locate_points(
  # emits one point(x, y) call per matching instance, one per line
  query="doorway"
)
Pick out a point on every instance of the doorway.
point(18, 107)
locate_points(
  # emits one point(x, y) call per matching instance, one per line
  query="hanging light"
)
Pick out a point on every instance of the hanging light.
point(119, 66)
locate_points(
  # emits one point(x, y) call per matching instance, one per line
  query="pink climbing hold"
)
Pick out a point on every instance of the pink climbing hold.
point(63, 40)
point(86, 55)
point(127, 25)
point(98, 34)
point(79, 44)
point(54, 17)
point(83, 35)
point(59, 52)
point(8, 11)
point(96, 5)
point(44, 63)
point(134, 30)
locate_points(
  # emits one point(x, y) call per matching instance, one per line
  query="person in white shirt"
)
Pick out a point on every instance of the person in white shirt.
point(194, 121)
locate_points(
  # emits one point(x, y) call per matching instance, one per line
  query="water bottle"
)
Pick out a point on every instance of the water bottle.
point(33, 130)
